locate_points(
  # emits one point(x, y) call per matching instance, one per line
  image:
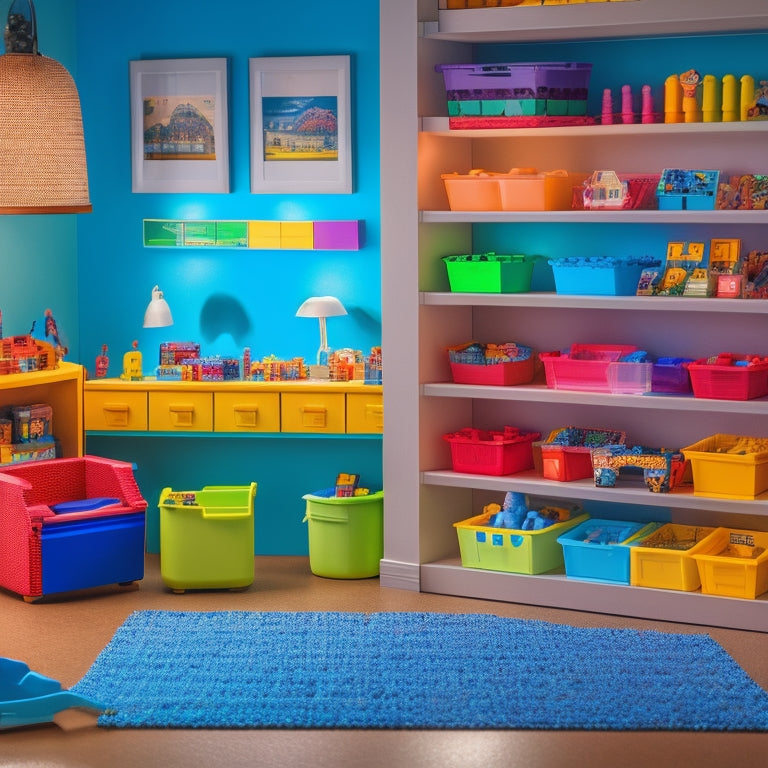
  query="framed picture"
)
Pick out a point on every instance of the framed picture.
point(179, 125)
point(300, 125)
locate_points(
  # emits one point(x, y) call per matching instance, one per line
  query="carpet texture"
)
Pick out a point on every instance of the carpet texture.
point(235, 669)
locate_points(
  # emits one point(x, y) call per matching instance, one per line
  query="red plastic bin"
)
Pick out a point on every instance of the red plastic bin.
point(567, 453)
point(488, 452)
point(498, 374)
point(729, 382)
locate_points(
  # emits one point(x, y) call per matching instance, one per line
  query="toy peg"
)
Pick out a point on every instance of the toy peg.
point(673, 100)
point(102, 363)
point(710, 98)
point(747, 95)
point(607, 114)
point(646, 111)
point(627, 115)
point(690, 81)
point(730, 99)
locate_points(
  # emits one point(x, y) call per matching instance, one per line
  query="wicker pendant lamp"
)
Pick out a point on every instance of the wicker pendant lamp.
point(42, 148)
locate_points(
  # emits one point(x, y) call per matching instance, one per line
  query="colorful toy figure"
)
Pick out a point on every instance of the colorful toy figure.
point(690, 81)
point(102, 363)
point(132, 364)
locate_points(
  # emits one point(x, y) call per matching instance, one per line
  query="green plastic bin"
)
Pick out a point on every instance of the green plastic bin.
point(346, 535)
point(206, 537)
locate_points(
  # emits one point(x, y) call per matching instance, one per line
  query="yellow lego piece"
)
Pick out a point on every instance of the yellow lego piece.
point(297, 235)
point(264, 234)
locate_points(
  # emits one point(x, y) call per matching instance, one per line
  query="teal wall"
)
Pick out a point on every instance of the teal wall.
point(96, 276)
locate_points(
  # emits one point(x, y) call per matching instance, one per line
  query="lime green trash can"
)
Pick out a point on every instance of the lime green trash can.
point(207, 537)
point(346, 535)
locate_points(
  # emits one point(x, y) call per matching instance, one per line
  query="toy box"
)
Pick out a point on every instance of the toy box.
point(735, 564)
point(599, 276)
point(31, 422)
point(489, 452)
point(543, 88)
point(729, 466)
point(596, 368)
point(665, 558)
point(491, 364)
point(207, 537)
point(687, 190)
point(566, 453)
point(670, 374)
point(596, 550)
point(513, 551)
point(520, 189)
point(490, 273)
point(729, 376)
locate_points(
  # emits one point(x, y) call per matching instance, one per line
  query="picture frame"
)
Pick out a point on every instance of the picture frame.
point(301, 133)
point(185, 92)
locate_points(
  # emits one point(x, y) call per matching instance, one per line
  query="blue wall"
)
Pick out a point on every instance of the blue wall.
point(38, 254)
point(96, 276)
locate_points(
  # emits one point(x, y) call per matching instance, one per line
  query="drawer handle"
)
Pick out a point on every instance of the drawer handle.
point(182, 415)
point(116, 414)
point(375, 413)
point(314, 416)
point(246, 415)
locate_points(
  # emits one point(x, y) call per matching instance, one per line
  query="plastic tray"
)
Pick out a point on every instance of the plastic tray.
point(664, 559)
point(513, 551)
point(729, 382)
point(482, 452)
point(725, 467)
point(490, 273)
point(735, 563)
point(596, 550)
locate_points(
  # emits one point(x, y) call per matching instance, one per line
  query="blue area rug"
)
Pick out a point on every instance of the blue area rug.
point(168, 669)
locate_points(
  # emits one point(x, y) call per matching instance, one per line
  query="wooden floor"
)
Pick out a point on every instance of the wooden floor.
point(61, 638)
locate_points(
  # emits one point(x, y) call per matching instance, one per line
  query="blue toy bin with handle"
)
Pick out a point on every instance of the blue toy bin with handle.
point(346, 535)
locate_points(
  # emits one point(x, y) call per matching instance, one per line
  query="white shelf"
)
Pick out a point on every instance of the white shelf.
point(730, 218)
point(439, 126)
point(642, 18)
point(626, 491)
point(623, 303)
point(448, 577)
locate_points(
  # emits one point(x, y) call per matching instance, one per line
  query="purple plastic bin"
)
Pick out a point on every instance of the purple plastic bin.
point(541, 80)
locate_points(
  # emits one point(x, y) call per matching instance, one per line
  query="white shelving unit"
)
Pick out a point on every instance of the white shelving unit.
point(421, 318)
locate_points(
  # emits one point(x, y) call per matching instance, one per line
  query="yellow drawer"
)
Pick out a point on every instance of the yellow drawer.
point(181, 411)
point(246, 412)
point(116, 410)
point(365, 413)
point(316, 412)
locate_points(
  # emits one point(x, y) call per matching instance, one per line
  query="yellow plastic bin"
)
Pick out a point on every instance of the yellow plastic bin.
point(206, 537)
point(346, 535)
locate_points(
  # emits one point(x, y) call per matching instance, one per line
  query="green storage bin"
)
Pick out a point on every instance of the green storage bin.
point(490, 273)
point(346, 535)
point(207, 537)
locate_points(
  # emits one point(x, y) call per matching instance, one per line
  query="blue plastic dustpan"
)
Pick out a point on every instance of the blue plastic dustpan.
point(27, 698)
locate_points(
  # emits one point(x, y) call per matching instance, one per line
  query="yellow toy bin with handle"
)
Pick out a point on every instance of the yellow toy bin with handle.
point(207, 537)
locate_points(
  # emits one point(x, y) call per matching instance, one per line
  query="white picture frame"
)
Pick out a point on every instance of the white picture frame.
point(283, 91)
point(168, 163)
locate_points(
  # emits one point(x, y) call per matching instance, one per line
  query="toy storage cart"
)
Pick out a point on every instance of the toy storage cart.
point(346, 535)
point(70, 524)
point(207, 537)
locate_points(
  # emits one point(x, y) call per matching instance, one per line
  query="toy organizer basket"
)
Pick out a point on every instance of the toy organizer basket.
point(729, 466)
point(566, 453)
point(496, 364)
point(520, 189)
point(599, 276)
point(665, 558)
point(483, 452)
point(735, 377)
point(510, 550)
point(518, 89)
point(598, 550)
point(490, 273)
point(735, 563)
point(597, 368)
